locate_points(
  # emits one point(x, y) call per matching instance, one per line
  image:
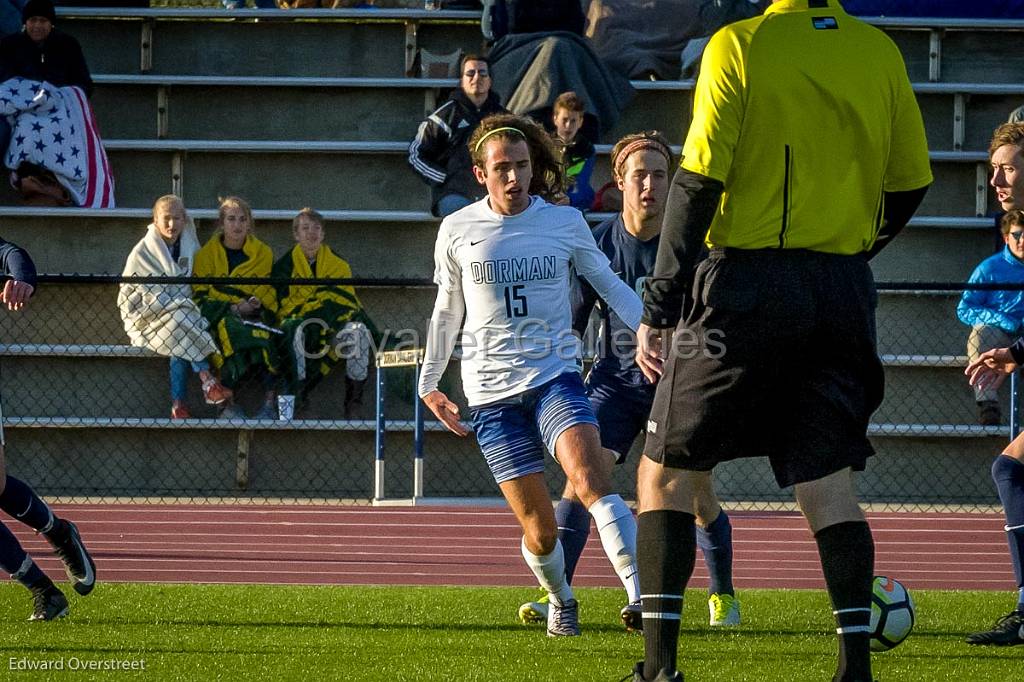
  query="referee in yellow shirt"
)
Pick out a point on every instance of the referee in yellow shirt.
point(806, 155)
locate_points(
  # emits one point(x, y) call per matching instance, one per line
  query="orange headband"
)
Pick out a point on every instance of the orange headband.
point(637, 145)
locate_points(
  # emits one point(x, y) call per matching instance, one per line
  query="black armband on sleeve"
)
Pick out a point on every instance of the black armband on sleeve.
point(692, 202)
point(899, 209)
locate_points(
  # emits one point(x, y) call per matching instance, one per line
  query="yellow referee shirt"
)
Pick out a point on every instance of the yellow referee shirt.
point(807, 116)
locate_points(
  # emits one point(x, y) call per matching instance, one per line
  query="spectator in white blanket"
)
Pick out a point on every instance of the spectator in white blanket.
point(439, 152)
point(163, 317)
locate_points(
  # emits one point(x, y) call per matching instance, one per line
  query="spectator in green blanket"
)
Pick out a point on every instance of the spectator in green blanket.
point(323, 324)
point(240, 315)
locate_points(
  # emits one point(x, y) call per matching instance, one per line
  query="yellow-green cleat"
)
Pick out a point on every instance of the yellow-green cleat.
point(724, 610)
point(533, 612)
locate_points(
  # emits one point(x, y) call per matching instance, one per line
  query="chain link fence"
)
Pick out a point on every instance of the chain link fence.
point(87, 415)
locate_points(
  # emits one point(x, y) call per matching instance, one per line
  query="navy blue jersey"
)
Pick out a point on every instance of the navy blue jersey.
point(16, 264)
point(632, 261)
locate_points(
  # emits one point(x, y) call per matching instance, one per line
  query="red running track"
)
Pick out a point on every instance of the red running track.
point(480, 546)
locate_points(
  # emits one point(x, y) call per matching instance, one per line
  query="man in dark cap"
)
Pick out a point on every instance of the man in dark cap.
point(43, 52)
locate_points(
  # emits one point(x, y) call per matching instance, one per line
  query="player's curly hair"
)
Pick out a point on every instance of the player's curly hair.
point(648, 139)
point(548, 181)
point(1008, 133)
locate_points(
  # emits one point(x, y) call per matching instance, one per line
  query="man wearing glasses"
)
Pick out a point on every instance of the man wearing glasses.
point(439, 152)
point(997, 317)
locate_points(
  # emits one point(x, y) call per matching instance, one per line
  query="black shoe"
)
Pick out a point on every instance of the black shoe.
point(49, 603)
point(989, 413)
point(79, 566)
point(1008, 631)
point(638, 675)
point(354, 398)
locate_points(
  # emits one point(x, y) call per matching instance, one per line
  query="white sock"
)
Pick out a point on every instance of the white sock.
point(617, 528)
point(550, 572)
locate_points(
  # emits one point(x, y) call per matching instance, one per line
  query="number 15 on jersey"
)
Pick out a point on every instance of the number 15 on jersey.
point(515, 301)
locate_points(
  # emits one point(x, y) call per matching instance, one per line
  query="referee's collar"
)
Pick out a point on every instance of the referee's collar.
point(803, 6)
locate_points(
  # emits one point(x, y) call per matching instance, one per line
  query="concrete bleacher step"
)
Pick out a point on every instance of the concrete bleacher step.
point(375, 42)
point(266, 42)
point(97, 241)
point(957, 115)
point(369, 175)
point(103, 382)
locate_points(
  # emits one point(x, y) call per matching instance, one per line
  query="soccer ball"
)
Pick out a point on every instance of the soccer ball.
point(892, 613)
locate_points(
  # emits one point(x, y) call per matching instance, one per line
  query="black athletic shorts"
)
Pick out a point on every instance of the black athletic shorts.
point(776, 357)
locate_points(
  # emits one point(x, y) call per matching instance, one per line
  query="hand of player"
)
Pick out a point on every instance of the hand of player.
point(991, 368)
point(446, 411)
point(16, 294)
point(650, 356)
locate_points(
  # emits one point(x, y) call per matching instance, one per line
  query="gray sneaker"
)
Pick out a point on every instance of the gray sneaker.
point(564, 619)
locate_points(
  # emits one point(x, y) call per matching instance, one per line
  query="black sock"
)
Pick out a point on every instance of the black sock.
point(666, 548)
point(847, 554)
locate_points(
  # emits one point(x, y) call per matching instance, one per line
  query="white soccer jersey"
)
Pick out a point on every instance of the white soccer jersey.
point(509, 276)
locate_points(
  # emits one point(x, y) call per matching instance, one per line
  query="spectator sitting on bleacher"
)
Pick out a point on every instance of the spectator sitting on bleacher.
point(43, 52)
point(323, 324)
point(439, 152)
point(163, 317)
point(241, 315)
point(996, 317)
point(576, 150)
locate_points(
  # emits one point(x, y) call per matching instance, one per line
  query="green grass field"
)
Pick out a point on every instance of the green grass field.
point(256, 632)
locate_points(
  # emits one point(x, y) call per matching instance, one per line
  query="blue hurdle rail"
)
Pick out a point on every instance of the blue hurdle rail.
point(387, 359)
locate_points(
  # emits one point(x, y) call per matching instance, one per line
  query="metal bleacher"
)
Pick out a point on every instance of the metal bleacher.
point(321, 114)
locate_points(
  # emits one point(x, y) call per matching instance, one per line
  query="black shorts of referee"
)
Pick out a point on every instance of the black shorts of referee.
point(776, 357)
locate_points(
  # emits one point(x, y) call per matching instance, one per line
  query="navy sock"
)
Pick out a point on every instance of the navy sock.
point(847, 554)
point(573, 522)
point(15, 562)
point(715, 542)
point(1008, 474)
point(666, 550)
point(22, 503)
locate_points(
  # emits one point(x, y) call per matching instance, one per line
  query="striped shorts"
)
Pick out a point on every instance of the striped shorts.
point(513, 432)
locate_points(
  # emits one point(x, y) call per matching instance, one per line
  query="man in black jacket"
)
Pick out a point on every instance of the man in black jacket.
point(439, 152)
point(42, 52)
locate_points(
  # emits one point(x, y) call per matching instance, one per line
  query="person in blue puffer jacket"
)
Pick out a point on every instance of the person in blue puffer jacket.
point(996, 317)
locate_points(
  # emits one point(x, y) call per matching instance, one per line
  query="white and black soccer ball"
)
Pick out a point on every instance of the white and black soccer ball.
point(892, 613)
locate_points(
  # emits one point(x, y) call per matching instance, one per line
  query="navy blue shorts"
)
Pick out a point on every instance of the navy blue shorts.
point(621, 408)
point(513, 432)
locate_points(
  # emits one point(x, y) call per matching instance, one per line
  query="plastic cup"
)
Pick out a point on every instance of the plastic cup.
point(285, 407)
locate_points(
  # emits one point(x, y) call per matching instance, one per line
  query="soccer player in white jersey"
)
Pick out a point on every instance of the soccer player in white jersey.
point(503, 263)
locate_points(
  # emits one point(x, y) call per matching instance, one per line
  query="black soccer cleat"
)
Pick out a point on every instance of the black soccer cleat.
point(637, 675)
point(1008, 631)
point(49, 603)
point(79, 566)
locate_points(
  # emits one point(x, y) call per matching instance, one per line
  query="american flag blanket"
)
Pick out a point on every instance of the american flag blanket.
point(55, 128)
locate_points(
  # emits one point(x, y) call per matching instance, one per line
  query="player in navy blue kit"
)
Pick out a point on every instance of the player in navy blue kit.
point(619, 393)
point(20, 501)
